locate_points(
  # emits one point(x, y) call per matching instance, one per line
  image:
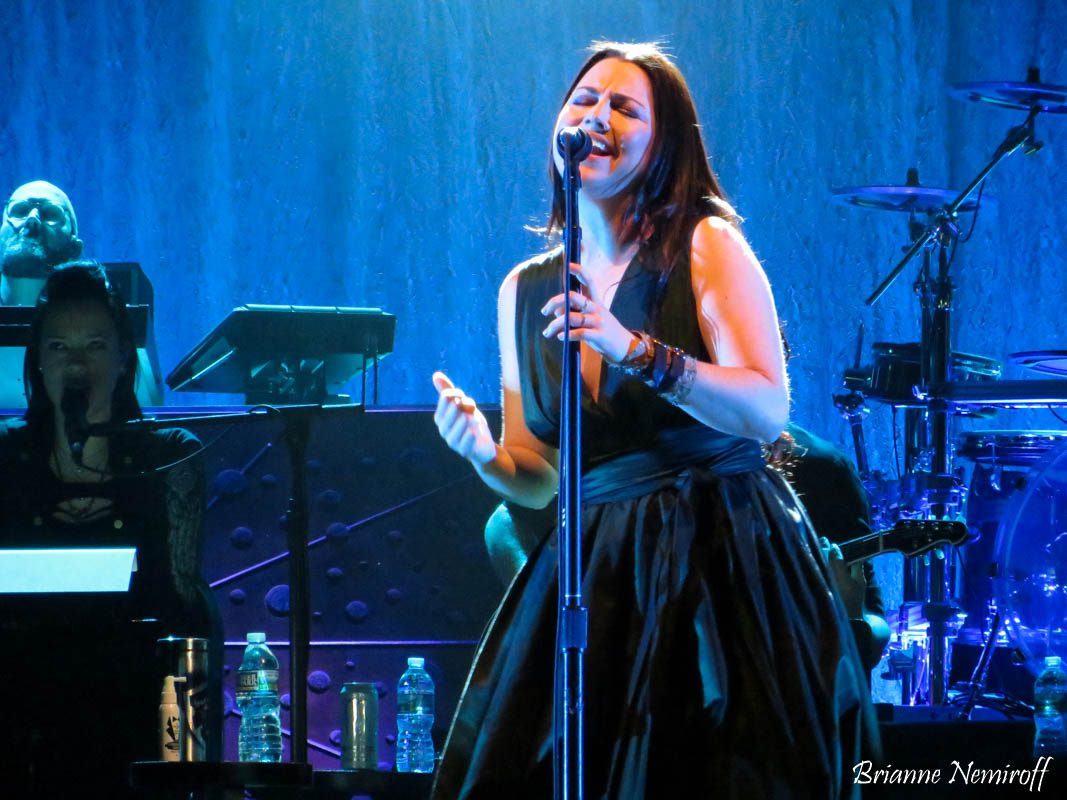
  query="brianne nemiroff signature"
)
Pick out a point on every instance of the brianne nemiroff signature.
point(866, 773)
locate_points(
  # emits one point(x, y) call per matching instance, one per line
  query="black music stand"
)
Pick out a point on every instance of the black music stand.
point(290, 357)
point(288, 354)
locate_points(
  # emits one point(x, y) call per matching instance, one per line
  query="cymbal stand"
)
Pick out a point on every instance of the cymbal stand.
point(981, 670)
point(1021, 136)
point(853, 407)
point(936, 484)
point(942, 492)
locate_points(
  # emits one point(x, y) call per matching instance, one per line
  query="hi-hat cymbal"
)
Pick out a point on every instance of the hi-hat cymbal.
point(917, 199)
point(1014, 94)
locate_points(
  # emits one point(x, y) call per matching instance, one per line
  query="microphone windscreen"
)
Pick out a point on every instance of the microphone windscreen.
point(75, 400)
point(575, 142)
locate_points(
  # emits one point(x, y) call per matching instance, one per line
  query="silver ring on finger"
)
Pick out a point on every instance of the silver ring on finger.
point(581, 320)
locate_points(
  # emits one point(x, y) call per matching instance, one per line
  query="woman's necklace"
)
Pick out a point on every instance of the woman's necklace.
point(69, 471)
point(77, 509)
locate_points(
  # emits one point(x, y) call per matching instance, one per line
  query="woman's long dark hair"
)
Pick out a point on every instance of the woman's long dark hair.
point(678, 187)
point(78, 281)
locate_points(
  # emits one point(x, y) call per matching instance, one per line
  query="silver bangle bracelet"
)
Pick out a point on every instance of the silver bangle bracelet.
point(679, 393)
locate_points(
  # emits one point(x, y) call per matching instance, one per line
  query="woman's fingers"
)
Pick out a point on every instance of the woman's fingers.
point(468, 435)
point(582, 325)
point(446, 391)
point(578, 302)
point(457, 425)
point(460, 423)
point(453, 432)
point(447, 406)
point(442, 381)
point(590, 322)
point(452, 403)
point(584, 314)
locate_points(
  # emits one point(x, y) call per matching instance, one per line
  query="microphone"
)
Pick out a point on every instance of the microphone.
point(74, 405)
point(574, 143)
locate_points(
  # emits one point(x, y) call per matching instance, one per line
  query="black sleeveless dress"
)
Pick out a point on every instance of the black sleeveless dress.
point(717, 663)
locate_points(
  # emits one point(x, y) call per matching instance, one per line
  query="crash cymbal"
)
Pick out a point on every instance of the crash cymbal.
point(917, 199)
point(1023, 95)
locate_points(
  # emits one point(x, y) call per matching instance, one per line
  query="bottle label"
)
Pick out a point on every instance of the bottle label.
point(171, 731)
point(257, 680)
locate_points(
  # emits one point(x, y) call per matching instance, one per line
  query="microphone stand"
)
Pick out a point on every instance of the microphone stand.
point(572, 620)
point(296, 431)
point(1019, 136)
point(936, 371)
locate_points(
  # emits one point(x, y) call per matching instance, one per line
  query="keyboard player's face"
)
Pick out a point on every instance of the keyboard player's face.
point(80, 348)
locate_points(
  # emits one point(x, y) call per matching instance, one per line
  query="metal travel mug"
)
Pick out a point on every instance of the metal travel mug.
point(359, 734)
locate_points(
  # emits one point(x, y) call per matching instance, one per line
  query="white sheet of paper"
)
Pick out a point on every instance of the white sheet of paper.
point(67, 570)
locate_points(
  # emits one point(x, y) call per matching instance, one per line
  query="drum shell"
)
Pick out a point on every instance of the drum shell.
point(1031, 557)
point(1001, 461)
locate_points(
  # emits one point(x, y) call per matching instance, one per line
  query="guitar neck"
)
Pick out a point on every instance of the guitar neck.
point(869, 546)
point(908, 536)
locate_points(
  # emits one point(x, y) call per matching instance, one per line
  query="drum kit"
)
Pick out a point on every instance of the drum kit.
point(1006, 586)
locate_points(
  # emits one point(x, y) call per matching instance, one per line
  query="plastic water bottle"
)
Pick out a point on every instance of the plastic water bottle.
point(414, 718)
point(260, 737)
point(1050, 705)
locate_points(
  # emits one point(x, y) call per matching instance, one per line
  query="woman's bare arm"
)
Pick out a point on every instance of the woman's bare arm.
point(520, 467)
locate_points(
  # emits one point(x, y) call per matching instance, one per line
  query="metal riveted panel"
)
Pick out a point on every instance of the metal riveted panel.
point(397, 560)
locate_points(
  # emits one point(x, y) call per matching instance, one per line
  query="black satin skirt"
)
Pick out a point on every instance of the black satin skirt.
point(719, 662)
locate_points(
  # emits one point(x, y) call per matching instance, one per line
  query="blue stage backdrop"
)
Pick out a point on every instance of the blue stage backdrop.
point(391, 154)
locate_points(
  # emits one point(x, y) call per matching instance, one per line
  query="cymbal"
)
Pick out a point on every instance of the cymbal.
point(1050, 362)
point(1014, 94)
point(918, 199)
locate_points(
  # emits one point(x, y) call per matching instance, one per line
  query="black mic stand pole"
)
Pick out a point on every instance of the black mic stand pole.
point(1019, 136)
point(572, 622)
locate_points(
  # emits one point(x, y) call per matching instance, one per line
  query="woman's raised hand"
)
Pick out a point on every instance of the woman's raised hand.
point(461, 424)
point(591, 323)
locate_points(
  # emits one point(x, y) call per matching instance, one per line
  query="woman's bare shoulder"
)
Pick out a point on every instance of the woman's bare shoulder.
point(719, 252)
point(540, 261)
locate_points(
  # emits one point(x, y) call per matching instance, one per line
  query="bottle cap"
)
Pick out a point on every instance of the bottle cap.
point(170, 691)
point(416, 662)
point(257, 638)
point(1052, 661)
